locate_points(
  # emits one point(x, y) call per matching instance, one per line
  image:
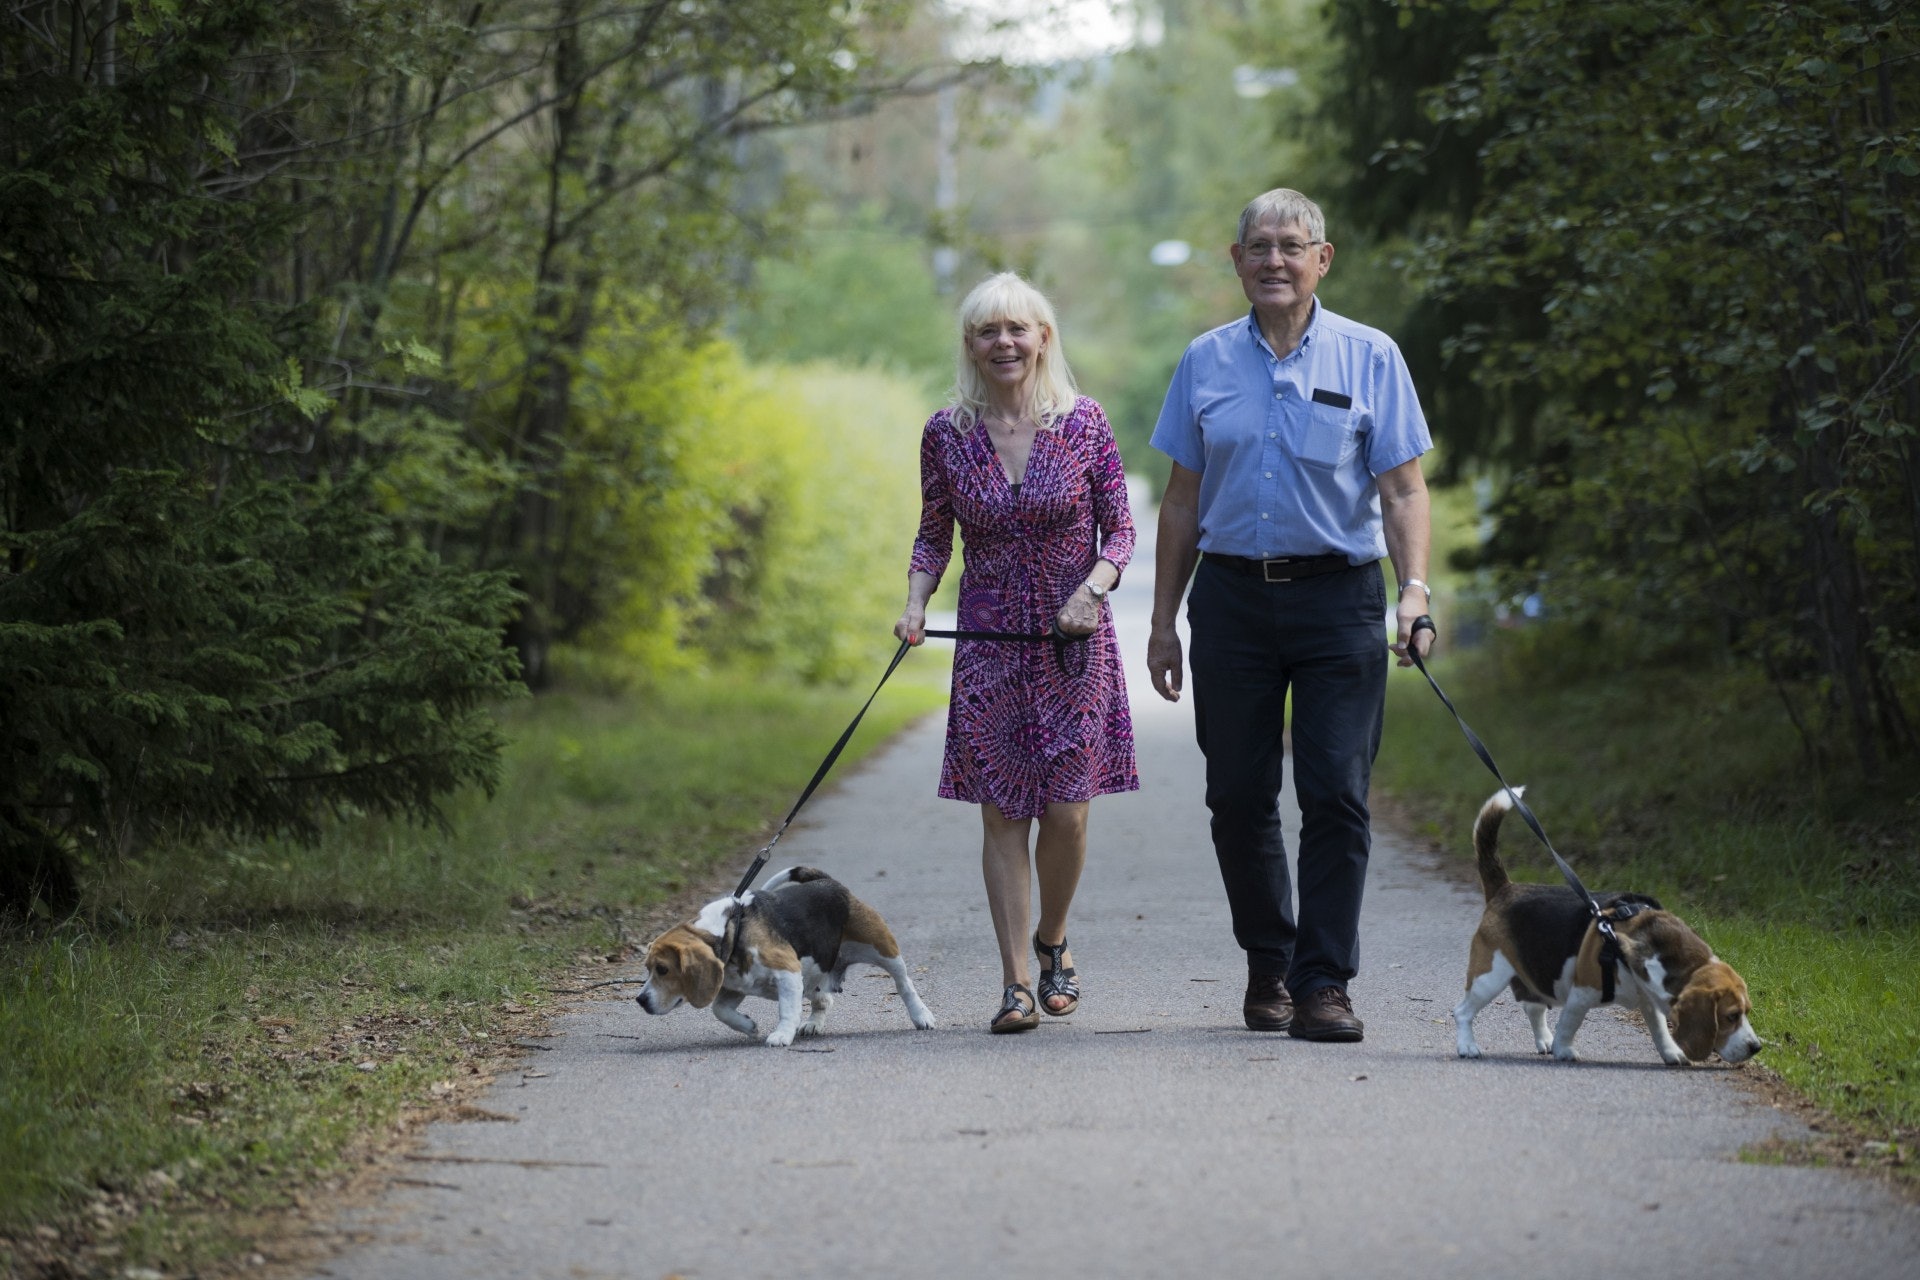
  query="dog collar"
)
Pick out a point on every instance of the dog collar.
point(1611, 956)
point(730, 936)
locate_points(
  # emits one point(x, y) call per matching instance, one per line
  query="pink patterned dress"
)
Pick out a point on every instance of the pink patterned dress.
point(1027, 728)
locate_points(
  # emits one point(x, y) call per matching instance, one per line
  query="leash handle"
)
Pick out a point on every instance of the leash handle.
point(1063, 642)
point(1425, 623)
point(1052, 635)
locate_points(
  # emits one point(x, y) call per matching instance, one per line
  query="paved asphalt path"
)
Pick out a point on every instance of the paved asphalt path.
point(1149, 1135)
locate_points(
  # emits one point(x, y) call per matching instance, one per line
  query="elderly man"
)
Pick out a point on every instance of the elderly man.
point(1296, 437)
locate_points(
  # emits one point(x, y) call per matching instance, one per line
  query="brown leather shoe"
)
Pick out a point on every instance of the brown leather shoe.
point(1268, 1007)
point(1327, 1014)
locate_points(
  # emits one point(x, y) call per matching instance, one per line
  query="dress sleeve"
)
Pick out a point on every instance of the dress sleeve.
point(933, 544)
point(1110, 511)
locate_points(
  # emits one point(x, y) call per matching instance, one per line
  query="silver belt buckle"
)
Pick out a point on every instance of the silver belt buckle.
point(1266, 570)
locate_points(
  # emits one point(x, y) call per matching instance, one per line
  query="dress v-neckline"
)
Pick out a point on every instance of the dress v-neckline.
point(999, 464)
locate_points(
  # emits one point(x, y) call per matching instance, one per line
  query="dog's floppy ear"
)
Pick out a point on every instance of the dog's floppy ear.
point(700, 974)
point(1693, 1021)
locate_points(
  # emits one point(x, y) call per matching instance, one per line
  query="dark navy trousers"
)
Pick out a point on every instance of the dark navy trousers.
point(1322, 640)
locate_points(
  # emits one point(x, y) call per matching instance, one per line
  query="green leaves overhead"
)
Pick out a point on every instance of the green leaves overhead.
point(1688, 280)
point(317, 326)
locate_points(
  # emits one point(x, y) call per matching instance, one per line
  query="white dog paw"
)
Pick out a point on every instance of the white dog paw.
point(924, 1022)
point(1469, 1050)
point(810, 1028)
point(779, 1039)
point(1674, 1059)
point(1565, 1053)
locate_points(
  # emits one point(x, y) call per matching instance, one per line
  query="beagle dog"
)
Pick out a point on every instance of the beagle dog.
point(1542, 941)
point(792, 939)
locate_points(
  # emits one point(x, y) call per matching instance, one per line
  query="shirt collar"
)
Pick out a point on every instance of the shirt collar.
point(1306, 339)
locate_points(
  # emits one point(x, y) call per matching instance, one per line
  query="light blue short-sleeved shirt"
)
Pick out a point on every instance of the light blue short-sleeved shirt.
point(1287, 450)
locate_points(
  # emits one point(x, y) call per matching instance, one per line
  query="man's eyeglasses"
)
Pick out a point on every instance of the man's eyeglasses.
point(1291, 250)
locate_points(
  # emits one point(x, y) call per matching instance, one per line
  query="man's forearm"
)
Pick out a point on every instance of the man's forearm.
point(1176, 551)
point(1406, 518)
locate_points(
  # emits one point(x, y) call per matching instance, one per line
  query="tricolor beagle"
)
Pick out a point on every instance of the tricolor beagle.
point(1541, 941)
point(795, 937)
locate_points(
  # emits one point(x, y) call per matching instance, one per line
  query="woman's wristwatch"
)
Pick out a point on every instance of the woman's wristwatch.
point(1097, 591)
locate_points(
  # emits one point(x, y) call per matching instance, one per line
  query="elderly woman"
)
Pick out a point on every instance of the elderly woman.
point(1029, 470)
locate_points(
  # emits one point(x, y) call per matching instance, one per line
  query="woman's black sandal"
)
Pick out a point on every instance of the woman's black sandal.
point(1013, 1015)
point(1056, 980)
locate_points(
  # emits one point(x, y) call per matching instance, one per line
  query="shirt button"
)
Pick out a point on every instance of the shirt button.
point(1272, 434)
point(1263, 515)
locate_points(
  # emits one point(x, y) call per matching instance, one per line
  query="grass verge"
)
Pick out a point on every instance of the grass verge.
point(228, 1031)
point(1689, 786)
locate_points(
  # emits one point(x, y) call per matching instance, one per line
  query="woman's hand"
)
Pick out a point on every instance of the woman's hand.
point(1079, 615)
point(912, 626)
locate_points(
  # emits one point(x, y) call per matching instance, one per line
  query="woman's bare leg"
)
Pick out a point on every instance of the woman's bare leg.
point(1009, 875)
point(1059, 855)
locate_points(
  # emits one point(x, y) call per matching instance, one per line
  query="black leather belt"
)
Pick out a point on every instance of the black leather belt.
point(1282, 568)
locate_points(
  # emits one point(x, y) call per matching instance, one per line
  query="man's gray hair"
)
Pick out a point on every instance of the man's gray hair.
point(1286, 207)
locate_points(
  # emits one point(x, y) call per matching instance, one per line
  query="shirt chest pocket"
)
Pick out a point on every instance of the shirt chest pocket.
point(1328, 436)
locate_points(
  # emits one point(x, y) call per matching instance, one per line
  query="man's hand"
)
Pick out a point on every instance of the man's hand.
point(1412, 605)
point(1163, 662)
point(1176, 552)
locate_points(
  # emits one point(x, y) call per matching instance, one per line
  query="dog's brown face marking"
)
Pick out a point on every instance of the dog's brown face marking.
point(1711, 1008)
point(681, 965)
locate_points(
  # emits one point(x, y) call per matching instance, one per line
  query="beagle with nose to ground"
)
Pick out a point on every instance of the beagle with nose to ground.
point(1543, 942)
point(792, 940)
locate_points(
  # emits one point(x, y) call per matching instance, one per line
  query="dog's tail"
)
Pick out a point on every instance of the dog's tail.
point(1486, 841)
point(794, 875)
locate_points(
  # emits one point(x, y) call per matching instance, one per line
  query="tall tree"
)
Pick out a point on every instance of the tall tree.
point(194, 635)
point(554, 173)
point(1693, 242)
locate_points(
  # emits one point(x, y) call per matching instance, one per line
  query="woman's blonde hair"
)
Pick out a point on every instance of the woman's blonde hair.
point(1006, 297)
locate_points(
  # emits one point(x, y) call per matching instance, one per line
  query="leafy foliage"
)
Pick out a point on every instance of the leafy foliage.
point(1691, 257)
point(197, 636)
point(339, 342)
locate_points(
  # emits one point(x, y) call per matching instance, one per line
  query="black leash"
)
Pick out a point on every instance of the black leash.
point(1060, 640)
point(1610, 944)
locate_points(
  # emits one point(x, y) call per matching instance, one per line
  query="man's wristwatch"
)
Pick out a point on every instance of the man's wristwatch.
point(1097, 591)
point(1415, 582)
